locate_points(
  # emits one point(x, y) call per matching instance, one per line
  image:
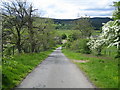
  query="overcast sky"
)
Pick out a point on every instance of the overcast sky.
point(71, 9)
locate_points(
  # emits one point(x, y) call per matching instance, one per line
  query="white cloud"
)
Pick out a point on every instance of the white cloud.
point(70, 8)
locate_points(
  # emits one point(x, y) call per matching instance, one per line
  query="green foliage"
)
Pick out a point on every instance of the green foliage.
point(116, 14)
point(110, 35)
point(103, 72)
point(72, 37)
point(7, 50)
point(67, 45)
point(75, 43)
point(80, 46)
point(64, 36)
point(44, 33)
point(84, 26)
point(27, 32)
point(15, 68)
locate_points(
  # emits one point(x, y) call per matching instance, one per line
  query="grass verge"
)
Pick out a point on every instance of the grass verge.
point(15, 68)
point(103, 73)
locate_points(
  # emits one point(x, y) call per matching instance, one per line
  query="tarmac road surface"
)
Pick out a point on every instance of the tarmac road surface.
point(56, 71)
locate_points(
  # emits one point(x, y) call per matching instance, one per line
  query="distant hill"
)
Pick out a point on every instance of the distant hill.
point(68, 23)
point(97, 22)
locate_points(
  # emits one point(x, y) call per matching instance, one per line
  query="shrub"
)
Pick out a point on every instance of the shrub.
point(67, 45)
point(72, 37)
point(80, 45)
point(64, 36)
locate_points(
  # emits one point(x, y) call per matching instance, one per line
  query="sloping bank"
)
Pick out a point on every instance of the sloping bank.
point(103, 73)
point(16, 68)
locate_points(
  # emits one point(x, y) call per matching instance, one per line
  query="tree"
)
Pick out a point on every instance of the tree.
point(14, 20)
point(84, 26)
point(73, 37)
point(116, 13)
point(28, 32)
point(111, 32)
point(47, 28)
point(18, 18)
point(44, 33)
point(29, 18)
point(96, 44)
point(110, 35)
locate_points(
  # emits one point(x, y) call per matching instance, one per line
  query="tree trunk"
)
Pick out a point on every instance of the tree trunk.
point(98, 51)
point(31, 33)
point(31, 39)
point(19, 41)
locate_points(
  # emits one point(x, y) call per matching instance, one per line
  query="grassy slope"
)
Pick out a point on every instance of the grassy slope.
point(102, 72)
point(67, 32)
point(17, 67)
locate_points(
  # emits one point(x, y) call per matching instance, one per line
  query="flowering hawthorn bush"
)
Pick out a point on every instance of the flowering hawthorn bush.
point(96, 44)
point(111, 32)
point(110, 36)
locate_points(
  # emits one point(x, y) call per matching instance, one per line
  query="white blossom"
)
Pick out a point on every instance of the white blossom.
point(110, 35)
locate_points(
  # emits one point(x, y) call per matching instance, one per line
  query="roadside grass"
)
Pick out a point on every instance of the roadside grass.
point(102, 72)
point(17, 67)
point(111, 51)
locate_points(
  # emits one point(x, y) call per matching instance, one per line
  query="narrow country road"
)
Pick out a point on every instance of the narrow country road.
point(56, 72)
